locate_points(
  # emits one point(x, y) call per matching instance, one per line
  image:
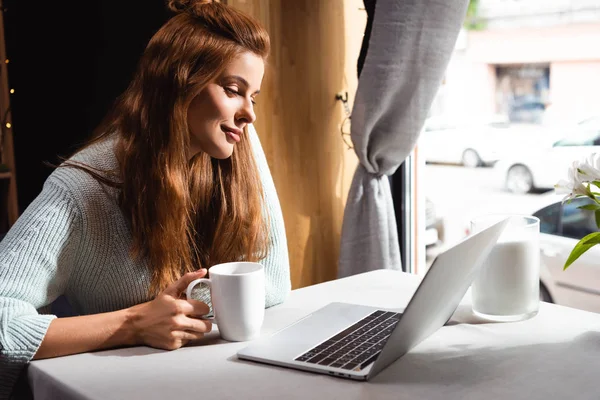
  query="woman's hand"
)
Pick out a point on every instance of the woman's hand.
point(169, 321)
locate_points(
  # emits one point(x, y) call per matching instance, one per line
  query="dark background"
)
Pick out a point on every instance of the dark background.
point(69, 60)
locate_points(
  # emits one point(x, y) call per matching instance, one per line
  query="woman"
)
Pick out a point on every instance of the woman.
point(173, 182)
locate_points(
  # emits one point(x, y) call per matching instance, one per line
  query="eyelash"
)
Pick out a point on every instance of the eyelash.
point(231, 91)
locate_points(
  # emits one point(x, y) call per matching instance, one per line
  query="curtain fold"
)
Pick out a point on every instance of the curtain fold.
point(409, 49)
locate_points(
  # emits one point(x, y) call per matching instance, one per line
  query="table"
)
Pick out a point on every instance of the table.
point(555, 355)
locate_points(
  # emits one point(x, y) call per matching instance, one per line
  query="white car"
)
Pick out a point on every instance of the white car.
point(541, 166)
point(561, 227)
point(471, 142)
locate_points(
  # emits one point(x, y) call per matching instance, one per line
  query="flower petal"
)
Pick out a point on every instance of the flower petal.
point(562, 187)
point(590, 167)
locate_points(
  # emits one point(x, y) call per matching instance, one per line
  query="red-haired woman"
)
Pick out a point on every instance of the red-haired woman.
point(173, 182)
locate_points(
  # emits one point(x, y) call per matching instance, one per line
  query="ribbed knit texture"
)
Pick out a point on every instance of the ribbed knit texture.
point(73, 240)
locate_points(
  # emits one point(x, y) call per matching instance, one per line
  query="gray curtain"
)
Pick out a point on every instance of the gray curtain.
point(409, 49)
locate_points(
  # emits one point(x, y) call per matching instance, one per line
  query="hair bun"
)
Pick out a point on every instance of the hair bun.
point(179, 6)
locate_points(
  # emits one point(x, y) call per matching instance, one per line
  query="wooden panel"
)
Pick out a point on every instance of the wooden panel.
point(315, 45)
point(8, 157)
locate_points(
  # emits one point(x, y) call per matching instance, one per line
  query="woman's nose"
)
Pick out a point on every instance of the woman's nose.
point(246, 113)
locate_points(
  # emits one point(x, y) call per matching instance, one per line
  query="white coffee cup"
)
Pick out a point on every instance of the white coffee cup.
point(237, 291)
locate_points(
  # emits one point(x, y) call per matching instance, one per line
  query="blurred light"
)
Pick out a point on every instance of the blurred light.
point(8, 125)
point(6, 61)
point(12, 91)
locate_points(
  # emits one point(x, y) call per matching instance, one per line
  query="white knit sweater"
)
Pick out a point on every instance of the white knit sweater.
point(74, 241)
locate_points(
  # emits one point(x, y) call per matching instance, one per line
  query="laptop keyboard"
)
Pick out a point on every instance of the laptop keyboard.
point(356, 346)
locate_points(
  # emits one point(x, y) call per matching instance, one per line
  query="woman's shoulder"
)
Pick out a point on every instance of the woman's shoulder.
point(73, 176)
point(99, 155)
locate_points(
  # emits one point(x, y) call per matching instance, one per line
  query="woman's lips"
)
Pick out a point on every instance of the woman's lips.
point(231, 134)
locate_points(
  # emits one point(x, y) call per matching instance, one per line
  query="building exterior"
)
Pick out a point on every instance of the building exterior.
point(534, 61)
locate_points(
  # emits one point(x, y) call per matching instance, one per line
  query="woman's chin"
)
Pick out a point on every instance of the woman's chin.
point(223, 152)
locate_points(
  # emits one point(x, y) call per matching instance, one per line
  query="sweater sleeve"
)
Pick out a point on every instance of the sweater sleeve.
point(277, 263)
point(36, 257)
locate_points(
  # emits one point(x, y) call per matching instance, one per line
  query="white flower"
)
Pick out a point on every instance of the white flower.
point(574, 186)
point(589, 168)
point(583, 175)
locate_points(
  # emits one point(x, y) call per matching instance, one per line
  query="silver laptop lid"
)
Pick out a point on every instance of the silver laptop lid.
point(439, 294)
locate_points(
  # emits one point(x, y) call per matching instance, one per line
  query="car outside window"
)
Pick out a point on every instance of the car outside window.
point(549, 218)
point(577, 223)
point(591, 123)
point(588, 138)
point(439, 126)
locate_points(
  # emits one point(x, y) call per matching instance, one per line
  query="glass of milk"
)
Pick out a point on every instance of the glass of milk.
point(508, 283)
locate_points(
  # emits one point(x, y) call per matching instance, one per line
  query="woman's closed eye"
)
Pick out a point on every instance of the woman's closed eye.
point(235, 92)
point(232, 91)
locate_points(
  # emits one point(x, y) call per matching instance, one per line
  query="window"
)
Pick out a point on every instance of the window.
point(439, 124)
point(536, 70)
point(577, 223)
point(522, 91)
point(591, 123)
point(586, 138)
point(549, 218)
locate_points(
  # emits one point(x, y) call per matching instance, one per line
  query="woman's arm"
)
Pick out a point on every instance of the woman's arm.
point(86, 333)
point(167, 322)
point(36, 257)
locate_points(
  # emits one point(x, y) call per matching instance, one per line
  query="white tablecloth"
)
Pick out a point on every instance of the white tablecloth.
point(555, 355)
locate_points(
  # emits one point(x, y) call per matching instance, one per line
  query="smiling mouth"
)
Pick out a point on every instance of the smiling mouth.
point(233, 135)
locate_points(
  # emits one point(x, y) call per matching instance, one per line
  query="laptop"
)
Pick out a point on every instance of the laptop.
point(356, 341)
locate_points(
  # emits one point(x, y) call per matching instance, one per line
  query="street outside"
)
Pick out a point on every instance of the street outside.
point(460, 194)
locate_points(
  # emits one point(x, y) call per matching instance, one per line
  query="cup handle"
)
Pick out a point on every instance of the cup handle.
point(188, 292)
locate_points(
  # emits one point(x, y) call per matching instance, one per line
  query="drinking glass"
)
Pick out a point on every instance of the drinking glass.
point(507, 285)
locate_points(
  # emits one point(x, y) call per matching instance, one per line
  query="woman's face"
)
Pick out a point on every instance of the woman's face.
point(218, 114)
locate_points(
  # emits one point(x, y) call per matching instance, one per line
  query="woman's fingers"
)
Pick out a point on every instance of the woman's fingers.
point(193, 325)
point(169, 322)
point(191, 308)
point(185, 336)
point(197, 326)
point(198, 309)
point(179, 286)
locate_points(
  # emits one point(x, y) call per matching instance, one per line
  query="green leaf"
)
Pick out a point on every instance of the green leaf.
point(592, 238)
point(591, 207)
point(582, 246)
point(597, 213)
point(597, 183)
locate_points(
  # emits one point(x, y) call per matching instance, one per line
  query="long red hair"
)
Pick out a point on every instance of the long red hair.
point(183, 214)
